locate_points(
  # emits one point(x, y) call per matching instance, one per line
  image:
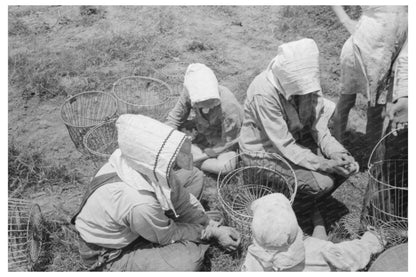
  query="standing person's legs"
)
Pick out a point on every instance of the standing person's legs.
point(352, 82)
point(342, 111)
point(192, 181)
point(374, 126)
point(179, 256)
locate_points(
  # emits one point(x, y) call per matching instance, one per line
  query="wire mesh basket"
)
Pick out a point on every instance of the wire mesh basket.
point(386, 200)
point(254, 176)
point(101, 141)
point(144, 95)
point(85, 110)
point(173, 74)
point(25, 234)
point(348, 227)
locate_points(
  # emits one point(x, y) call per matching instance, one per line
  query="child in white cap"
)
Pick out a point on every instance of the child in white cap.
point(279, 245)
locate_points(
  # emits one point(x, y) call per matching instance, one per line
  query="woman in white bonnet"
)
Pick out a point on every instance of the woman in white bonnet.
point(287, 114)
point(217, 118)
point(279, 245)
point(136, 214)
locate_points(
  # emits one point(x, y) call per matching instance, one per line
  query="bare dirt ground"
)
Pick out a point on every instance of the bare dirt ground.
point(58, 51)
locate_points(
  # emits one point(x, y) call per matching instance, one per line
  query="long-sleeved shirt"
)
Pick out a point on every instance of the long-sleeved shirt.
point(321, 255)
point(271, 124)
point(220, 126)
point(117, 214)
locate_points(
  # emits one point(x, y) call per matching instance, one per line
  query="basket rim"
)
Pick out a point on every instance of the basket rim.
point(141, 77)
point(233, 213)
point(90, 131)
point(32, 207)
point(381, 182)
point(295, 186)
point(83, 93)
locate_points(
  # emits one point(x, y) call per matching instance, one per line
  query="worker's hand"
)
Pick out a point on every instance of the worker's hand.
point(351, 167)
point(340, 156)
point(227, 237)
point(211, 152)
point(398, 114)
point(334, 166)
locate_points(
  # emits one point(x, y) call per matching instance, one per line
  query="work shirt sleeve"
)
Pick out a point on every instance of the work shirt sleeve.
point(149, 221)
point(178, 115)
point(352, 255)
point(187, 207)
point(321, 133)
point(270, 115)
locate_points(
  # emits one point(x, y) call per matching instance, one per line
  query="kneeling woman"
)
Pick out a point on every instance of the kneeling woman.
point(215, 119)
point(137, 214)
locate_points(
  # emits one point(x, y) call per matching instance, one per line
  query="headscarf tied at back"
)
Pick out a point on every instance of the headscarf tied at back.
point(201, 84)
point(295, 69)
point(146, 154)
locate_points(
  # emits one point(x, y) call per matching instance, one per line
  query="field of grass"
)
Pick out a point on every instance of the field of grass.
point(59, 51)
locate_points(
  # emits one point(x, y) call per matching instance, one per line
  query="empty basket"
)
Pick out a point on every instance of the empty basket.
point(85, 110)
point(386, 200)
point(144, 95)
point(173, 74)
point(24, 234)
point(101, 140)
point(249, 181)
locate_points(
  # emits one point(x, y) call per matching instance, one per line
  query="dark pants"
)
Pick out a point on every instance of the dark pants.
point(147, 256)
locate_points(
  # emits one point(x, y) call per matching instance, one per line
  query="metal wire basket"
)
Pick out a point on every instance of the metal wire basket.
point(85, 110)
point(386, 200)
point(144, 95)
point(173, 74)
point(24, 234)
point(250, 181)
point(101, 141)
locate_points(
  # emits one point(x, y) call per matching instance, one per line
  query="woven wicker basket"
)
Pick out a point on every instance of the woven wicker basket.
point(173, 74)
point(101, 141)
point(85, 110)
point(144, 95)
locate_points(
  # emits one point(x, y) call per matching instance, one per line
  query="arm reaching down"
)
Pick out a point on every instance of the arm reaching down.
point(353, 255)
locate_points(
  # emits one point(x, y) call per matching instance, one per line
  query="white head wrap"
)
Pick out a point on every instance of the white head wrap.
point(201, 83)
point(295, 69)
point(146, 154)
point(277, 237)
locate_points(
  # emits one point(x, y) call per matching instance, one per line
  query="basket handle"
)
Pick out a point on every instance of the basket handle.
point(379, 142)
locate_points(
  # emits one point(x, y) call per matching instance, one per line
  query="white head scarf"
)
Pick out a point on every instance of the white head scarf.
point(295, 69)
point(201, 83)
point(146, 154)
point(277, 237)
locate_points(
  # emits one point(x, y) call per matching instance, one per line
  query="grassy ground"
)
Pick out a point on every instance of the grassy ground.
point(58, 51)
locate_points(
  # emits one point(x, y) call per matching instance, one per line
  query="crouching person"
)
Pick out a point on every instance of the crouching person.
point(281, 246)
point(137, 214)
point(217, 119)
point(286, 114)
